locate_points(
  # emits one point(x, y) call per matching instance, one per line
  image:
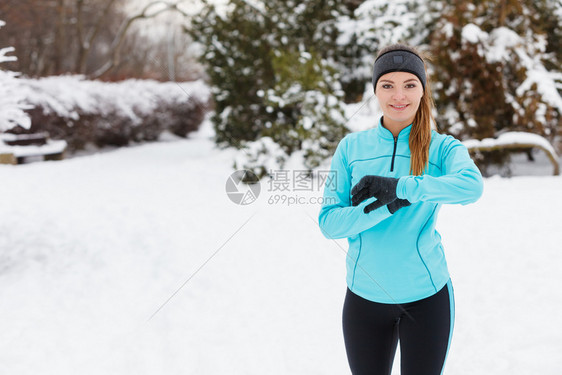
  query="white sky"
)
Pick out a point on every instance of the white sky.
point(188, 6)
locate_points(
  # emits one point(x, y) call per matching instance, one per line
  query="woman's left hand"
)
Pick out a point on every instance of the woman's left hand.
point(382, 188)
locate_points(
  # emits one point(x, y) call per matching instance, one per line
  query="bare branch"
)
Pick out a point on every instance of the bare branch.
point(118, 40)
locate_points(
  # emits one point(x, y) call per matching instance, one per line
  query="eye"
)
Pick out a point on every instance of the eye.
point(411, 85)
point(386, 86)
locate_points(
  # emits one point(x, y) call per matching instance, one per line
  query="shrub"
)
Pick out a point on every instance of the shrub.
point(112, 114)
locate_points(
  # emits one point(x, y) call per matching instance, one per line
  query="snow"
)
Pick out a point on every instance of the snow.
point(377, 23)
point(93, 246)
point(548, 86)
point(365, 114)
point(473, 34)
point(4, 51)
point(261, 152)
point(501, 39)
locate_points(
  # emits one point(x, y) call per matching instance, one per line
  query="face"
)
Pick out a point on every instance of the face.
point(399, 95)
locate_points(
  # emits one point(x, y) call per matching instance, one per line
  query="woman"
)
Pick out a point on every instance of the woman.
point(391, 181)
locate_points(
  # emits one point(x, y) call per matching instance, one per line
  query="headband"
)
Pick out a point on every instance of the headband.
point(399, 61)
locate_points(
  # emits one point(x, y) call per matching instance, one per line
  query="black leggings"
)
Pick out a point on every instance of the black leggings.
point(372, 330)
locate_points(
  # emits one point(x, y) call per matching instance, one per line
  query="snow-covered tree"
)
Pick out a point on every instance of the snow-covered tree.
point(550, 13)
point(494, 71)
point(236, 51)
point(11, 106)
point(273, 70)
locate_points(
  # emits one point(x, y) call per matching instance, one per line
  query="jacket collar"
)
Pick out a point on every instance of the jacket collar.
point(386, 134)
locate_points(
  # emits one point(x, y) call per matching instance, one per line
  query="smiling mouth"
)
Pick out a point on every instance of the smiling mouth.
point(399, 106)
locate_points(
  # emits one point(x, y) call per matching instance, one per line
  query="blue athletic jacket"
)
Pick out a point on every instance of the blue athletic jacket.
point(396, 258)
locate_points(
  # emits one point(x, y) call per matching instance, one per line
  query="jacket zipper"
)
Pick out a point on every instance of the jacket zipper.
point(393, 154)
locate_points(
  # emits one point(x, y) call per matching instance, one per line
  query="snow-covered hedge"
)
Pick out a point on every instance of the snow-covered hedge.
point(112, 113)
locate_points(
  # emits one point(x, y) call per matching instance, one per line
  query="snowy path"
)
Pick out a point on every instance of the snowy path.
point(91, 247)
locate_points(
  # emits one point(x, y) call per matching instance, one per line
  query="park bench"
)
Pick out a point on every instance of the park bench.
point(516, 141)
point(22, 148)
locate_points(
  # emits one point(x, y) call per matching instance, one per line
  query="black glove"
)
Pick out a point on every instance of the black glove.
point(398, 204)
point(382, 188)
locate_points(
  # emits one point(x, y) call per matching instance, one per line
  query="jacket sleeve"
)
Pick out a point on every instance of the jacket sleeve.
point(461, 181)
point(338, 218)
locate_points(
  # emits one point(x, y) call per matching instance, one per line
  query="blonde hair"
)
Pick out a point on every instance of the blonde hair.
point(420, 135)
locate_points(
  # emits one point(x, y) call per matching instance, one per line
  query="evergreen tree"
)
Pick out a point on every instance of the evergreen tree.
point(236, 51)
point(550, 18)
point(307, 103)
point(273, 68)
point(493, 71)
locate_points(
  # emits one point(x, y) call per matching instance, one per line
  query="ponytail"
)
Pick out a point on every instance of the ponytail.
point(420, 136)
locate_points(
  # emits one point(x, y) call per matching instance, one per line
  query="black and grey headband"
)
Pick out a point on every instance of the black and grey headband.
point(399, 61)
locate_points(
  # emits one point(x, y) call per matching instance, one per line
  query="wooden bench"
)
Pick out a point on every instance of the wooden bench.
point(22, 148)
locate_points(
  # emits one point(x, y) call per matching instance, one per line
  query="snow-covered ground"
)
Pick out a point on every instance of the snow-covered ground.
point(94, 252)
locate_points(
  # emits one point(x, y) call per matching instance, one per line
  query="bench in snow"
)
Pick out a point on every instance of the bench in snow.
point(31, 147)
point(517, 141)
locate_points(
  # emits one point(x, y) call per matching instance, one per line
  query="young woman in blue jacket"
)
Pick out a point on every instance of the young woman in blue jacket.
point(390, 182)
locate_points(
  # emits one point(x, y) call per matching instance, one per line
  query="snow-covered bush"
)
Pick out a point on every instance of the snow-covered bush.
point(260, 156)
point(11, 106)
point(112, 113)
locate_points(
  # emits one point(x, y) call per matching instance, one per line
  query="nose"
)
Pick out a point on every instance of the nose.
point(398, 94)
